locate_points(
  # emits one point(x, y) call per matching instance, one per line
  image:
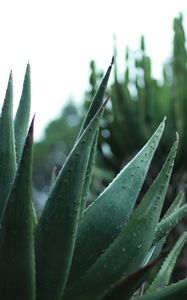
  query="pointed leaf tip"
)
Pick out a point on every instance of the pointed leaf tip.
point(126, 286)
point(29, 139)
point(31, 128)
point(10, 79)
point(28, 67)
point(10, 76)
point(165, 118)
point(112, 62)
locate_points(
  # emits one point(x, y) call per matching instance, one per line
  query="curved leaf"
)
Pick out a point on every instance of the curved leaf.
point(124, 288)
point(171, 218)
point(102, 221)
point(164, 275)
point(169, 292)
point(128, 250)
point(97, 100)
point(179, 199)
point(168, 223)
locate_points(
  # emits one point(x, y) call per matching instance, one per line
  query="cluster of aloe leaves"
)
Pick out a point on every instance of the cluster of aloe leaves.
point(105, 251)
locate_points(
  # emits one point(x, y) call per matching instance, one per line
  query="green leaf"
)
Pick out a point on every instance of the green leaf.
point(124, 288)
point(57, 228)
point(167, 293)
point(164, 275)
point(128, 250)
point(173, 215)
point(89, 174)
point(102, 221)
point(167, 224)
point(95, 105)
point(97, 100)
point(21, 121)
point(175, 204)
point(17, 263)
point(7, 147)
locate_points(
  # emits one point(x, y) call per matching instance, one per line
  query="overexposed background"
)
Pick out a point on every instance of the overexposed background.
point(59, 38)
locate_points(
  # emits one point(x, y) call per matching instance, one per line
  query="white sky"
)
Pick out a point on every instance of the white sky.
point(59, 38)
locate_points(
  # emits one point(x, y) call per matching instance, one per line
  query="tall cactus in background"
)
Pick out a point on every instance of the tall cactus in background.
point(139, 102)
point(179, 86)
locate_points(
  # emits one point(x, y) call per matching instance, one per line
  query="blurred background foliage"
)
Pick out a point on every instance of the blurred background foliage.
point(139, 102)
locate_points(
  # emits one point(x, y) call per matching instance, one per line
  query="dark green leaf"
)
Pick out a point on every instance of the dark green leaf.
point(17, 263)
point(57, 227)
point(169, 292)
point(96, 103)
point(88, 174)
point(7, 147)
point(164, 275)
point(124, 288)
point(97, 100)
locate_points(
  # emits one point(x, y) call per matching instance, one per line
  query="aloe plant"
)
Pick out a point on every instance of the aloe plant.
point(104, 251)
